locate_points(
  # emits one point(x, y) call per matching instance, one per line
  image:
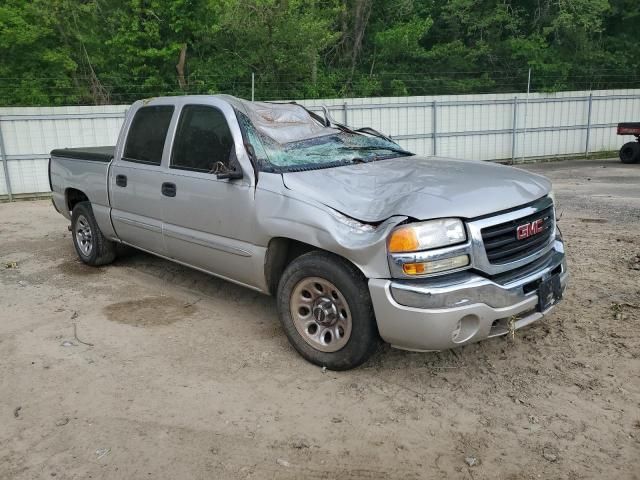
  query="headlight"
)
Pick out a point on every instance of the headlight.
point(427, 235)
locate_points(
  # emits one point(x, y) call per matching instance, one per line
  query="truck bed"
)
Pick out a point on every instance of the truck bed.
point(85, 170)
point(95, 154)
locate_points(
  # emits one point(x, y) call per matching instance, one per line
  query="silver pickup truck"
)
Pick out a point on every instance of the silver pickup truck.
point(358, 239)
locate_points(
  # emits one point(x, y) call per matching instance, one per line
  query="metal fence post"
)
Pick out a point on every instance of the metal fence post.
point(3, 157)
point(253, 86)
point(586, 146)
point(345, 107)
point(526, 111)
point(514, 130)
point(434, 128)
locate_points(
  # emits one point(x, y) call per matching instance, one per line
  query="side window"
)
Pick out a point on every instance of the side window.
point(147, 134)
point(203, 140)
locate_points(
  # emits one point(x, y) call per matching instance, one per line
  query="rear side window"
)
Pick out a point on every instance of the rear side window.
point(147, 133)
point(203, 140)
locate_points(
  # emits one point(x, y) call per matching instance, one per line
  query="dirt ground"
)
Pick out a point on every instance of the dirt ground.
point(173, 374)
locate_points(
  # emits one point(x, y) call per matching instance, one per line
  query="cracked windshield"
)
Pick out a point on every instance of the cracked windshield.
point(342, 147)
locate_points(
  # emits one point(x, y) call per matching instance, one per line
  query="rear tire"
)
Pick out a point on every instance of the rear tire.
point(90, 244)
point(630, 152)
point(325, 309)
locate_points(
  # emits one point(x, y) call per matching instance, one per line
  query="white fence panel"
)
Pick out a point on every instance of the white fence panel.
point(30, 133)
point(478, 127)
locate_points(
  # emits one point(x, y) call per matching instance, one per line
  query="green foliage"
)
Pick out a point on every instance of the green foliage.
point(30, 49)
point(402, 40)
point(56, 52)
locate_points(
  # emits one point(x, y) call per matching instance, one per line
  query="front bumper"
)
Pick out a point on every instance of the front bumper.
point(461, 308)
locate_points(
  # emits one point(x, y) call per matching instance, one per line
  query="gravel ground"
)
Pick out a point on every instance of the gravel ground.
point(173, 374)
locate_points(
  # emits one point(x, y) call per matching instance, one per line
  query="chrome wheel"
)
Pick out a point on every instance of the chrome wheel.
point(83, 235)
point(320, 314)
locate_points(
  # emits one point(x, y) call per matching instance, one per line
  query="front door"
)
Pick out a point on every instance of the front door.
point(136, 180)
point(208, 221)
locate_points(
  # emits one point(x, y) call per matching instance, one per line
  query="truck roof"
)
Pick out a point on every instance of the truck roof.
point(284, 122)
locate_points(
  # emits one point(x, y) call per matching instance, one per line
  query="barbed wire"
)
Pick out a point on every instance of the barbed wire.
point(430, 73)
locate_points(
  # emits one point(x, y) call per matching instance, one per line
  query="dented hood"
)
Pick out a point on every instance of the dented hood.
point(418, 187)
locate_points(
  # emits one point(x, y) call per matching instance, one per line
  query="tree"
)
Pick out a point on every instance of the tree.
point(37, 67)
point(115, 51)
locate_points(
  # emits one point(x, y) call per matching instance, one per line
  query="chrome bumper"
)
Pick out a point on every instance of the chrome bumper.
point(454, 310)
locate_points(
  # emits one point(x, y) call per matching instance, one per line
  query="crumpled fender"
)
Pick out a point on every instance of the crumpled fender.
point(282, 213)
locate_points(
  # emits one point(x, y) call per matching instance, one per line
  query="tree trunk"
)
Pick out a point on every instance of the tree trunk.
point(182, 59)
point(314, 70)
point(361, 13)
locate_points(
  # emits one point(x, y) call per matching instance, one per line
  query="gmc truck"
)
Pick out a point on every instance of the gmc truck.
point(359, 240)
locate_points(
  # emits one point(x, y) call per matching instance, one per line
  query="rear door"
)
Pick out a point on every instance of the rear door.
point(136, 178)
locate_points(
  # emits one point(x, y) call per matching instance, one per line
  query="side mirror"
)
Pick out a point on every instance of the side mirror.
point(229, 175)
point(233, 172)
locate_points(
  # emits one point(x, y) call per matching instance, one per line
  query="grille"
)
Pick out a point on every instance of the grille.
point(502, 245)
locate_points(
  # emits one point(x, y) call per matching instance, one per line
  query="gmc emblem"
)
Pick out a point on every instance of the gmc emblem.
point(529, 229)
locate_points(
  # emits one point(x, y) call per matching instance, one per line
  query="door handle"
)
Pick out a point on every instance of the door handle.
point(121, 180)
point(169, 189)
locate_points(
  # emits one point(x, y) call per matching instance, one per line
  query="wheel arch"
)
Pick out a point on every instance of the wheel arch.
point(73, 196)
point(281, 251)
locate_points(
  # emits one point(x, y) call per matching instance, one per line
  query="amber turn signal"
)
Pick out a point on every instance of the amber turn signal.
point(403, 240)
point(436, 266)
point(414, 268)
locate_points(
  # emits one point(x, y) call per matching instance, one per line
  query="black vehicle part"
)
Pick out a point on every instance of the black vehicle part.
point(90, 244)
point(630, 152)
point(95, 154)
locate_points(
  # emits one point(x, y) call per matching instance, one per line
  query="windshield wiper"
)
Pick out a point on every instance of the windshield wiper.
point(371, 147)
point(374, 132)
point(305, 167)
point(328, 121)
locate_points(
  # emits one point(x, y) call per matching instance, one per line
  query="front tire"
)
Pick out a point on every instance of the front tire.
point(325, 309)
point(91, 245)
point(630, 152)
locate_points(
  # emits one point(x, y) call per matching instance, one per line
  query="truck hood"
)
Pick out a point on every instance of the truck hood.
point(418, 187)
